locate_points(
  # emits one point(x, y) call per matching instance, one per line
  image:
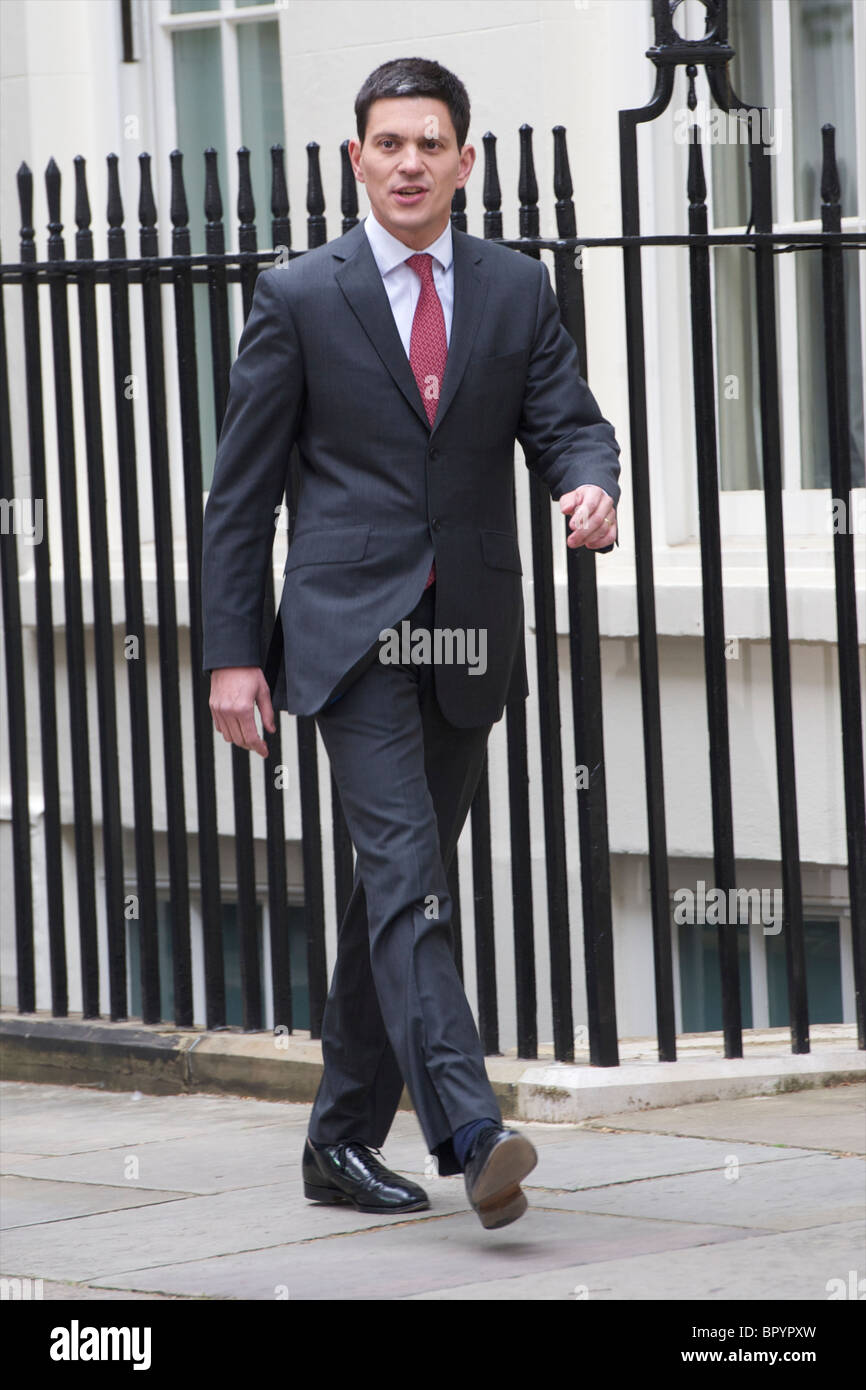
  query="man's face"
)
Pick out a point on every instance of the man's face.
point(410, 142)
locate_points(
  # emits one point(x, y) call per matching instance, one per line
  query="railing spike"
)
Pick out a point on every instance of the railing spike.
point(246, 198)
point(114, 202)
point(213, 202)
point(527, 185)
point(831, 188)
point(146, 199)
point(178, 205)
point(25, 202)
point(348, 188)
point(281, 224)
point(696, 183)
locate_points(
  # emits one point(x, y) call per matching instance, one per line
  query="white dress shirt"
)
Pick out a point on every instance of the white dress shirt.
point(403, 284)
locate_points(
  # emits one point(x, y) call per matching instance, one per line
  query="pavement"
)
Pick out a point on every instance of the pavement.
point(125, 1195)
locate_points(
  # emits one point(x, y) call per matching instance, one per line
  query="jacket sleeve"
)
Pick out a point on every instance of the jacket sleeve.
point(266, 393)
point(566, 440)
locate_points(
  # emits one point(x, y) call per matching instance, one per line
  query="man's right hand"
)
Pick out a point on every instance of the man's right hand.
point(234, 693)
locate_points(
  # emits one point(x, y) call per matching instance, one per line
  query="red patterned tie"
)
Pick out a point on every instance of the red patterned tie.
point(428, 347)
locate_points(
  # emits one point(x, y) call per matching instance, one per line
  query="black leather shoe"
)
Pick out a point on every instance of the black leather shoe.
point(493, 1172)
point(348, 1172)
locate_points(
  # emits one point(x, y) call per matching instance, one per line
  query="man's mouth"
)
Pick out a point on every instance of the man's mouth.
point(409, 193)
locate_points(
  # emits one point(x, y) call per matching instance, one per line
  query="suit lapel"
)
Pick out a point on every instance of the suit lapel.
point(358, 277)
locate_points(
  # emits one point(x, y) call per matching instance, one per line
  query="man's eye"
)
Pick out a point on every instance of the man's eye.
point(431, 141)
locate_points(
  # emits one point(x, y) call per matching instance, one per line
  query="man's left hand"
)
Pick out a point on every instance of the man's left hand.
point(593, 517)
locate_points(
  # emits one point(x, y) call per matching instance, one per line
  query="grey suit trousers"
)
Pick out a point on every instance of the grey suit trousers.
point(396, 1010)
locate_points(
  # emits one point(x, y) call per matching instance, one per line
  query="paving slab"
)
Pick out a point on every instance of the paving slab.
point(107, 1119)
point(412, 1256)
point(590, 1159)
point(211, 1163)
point(832, 1118)
point(31, 1202)
point(759, 1268)
point(192, 1228)
point(818, 1190)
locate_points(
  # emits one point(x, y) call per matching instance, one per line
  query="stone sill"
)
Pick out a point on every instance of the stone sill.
point(161, 1059)
point(810, 581)
point(679, 613)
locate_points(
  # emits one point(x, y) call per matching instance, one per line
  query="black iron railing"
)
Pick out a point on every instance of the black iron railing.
point(217, 269)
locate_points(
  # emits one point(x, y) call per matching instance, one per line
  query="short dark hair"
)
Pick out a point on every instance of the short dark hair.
point(415, 77)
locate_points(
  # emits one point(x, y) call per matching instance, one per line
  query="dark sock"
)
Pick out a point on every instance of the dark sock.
point(464, 1137)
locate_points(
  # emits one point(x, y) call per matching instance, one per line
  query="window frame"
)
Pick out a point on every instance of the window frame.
point(159, 62)
point(163, 25)
point(805, 510)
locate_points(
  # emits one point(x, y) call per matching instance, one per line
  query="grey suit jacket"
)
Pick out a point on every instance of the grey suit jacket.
point(321, 366)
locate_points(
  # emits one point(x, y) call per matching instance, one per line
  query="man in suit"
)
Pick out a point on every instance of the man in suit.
point(403, 359)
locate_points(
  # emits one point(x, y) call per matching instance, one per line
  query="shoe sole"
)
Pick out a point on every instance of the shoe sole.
point(498, 1198)
point(331, 1196)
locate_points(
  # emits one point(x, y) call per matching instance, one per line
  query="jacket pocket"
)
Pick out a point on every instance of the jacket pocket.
point(501, 551)
point(504, 362)
point(328, 546)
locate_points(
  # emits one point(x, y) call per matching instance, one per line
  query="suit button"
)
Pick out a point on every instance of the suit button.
point(436, 524)
point(434, 453)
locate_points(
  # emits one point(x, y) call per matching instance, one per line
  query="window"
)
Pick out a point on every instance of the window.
point(797, 58)
point(700, 981)
point(231, 964)
point(734, 279)
point(227, 93)
point(220, 60)
point(823, 974)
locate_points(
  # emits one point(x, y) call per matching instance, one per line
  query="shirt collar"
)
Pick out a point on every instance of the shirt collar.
point(389, 252)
